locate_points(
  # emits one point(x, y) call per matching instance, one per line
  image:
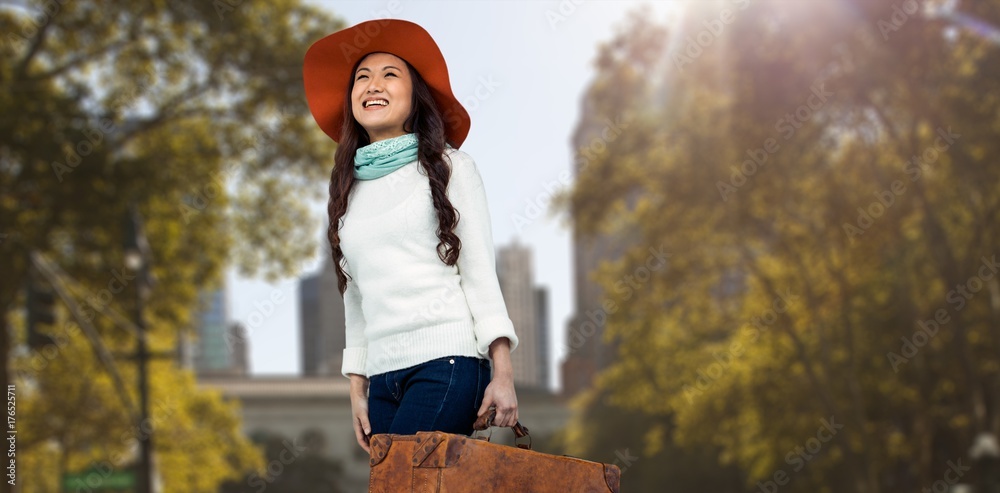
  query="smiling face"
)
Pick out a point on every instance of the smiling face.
point(382, 95)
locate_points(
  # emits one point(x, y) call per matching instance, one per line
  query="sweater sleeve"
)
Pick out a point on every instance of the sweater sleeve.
point(356, 350)
point(477, 259)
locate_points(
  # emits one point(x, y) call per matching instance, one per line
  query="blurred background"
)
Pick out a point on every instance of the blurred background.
point(748, 245)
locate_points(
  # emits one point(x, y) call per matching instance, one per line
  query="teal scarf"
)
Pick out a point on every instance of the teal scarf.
point(385, 156)
point(380, 158)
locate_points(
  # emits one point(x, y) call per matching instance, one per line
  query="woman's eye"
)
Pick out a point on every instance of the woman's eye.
point(390, 73)
point(360, 76)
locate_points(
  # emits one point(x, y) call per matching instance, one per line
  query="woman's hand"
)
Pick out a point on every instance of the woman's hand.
point(500, 391)
point(359, 410)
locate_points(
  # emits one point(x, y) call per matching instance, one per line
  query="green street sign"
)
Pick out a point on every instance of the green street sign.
point(93, 480)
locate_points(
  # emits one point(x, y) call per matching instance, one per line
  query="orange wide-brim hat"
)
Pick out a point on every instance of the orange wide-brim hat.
point(326, 72)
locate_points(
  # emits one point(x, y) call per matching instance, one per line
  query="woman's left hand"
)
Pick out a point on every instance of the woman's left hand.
point(500, 392)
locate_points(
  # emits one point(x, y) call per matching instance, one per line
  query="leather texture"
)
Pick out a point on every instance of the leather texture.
point(434, 461)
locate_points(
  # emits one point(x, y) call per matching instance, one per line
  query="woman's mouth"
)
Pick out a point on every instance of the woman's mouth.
point(375, 104)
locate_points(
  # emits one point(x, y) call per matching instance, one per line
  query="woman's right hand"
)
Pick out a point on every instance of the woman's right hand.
point(359, 410)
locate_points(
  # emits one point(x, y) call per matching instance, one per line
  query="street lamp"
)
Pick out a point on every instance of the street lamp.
point(137, 259)
point(985, 453)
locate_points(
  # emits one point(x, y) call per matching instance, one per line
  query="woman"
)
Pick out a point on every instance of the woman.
point(410, 236)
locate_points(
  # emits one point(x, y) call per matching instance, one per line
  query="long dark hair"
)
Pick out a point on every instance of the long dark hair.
point(425, 120)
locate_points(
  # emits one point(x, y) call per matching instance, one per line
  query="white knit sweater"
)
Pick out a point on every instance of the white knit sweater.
point(403, 306)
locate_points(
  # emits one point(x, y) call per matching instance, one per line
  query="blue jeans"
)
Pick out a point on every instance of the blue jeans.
point(442, 394)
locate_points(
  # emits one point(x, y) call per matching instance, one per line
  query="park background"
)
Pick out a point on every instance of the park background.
point(821, 173)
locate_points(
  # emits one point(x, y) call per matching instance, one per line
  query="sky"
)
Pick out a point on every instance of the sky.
point(519, 68)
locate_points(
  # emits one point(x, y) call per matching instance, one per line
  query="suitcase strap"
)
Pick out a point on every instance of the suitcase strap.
point(485, 422)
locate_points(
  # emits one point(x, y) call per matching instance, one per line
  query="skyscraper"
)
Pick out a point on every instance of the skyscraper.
point(221, 346)
point(239, 349)
point(514, 271)
point(542, 322)
point(587, 354)
point(321, 322)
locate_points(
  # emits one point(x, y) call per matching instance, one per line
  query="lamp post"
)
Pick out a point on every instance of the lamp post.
point(137, 259)
point(985, 454)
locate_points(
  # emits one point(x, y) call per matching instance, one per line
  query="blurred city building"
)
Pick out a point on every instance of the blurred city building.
point(221, 346)
point(526, 307)
point(586, 351)
point(541, 295)
point(321, 322)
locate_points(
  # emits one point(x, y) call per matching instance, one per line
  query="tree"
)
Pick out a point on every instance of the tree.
point(289, 470)
point(825, 318)
point(70, 424)
point(195, 111)
point(643, 447)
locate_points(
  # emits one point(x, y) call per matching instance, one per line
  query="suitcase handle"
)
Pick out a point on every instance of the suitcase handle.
point(485, 422)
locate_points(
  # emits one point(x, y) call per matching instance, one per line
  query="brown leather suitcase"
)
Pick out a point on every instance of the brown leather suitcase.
point(433, 461)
